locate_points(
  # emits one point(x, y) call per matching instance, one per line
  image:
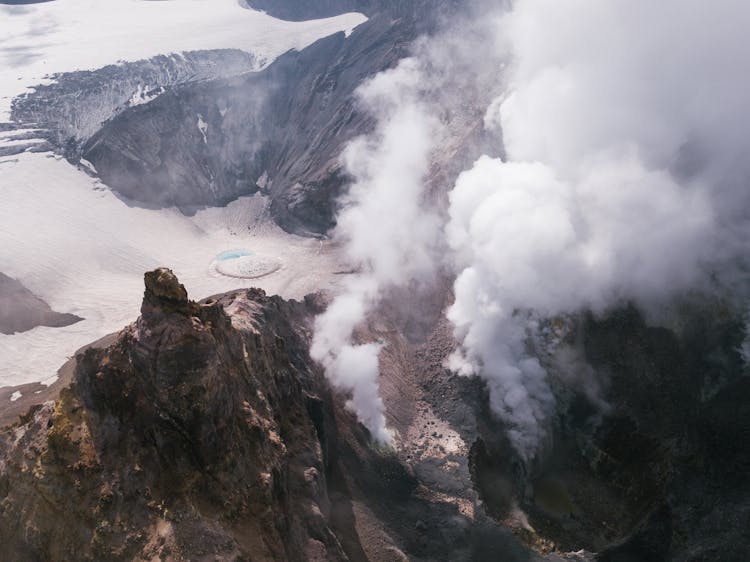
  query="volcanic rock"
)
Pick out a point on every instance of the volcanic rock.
point(189, 437)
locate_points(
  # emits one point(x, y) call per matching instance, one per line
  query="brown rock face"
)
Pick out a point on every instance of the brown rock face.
point(162, 286)
point(190, 437)
point(204, 431)
point(164, 293)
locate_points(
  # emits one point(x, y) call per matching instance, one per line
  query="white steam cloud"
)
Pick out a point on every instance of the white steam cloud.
point(625, 142)
point(386, 229)
point(626, 132)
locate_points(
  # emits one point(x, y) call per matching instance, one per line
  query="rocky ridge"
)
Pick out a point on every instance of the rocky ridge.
point(204, 431)
point(189, 437)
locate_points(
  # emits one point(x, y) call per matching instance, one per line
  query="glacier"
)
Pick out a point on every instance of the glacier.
point(40, 40)
point(64, 234)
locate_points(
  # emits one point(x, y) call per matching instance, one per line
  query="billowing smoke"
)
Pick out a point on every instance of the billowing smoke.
point(386, 229)
point(623, 179)
point(626, 133)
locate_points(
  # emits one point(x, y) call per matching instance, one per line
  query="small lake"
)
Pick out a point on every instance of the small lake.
point(233, 255)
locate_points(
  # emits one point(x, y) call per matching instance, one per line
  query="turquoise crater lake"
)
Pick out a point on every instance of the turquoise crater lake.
point(234, 254)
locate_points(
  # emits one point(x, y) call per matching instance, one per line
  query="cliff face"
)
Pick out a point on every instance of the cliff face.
point(73, 107)
point(650, 464)
point(192, 436)
point(199, 129)
point(279, 131)
point(204, 431)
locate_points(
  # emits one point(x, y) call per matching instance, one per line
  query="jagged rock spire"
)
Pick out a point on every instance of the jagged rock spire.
point(164, 292)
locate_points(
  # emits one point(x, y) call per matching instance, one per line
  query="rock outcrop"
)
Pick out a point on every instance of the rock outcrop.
point(191, 437)
point(21, 310)
point(203, 431)
point(74, 106)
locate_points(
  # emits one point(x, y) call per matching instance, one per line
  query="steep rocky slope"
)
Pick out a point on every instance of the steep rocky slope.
point(73, 107)
point(648, 464)
point(204, 431)
point(199, 130)
point(646, 460)
point(279, 131)
point(186, 438)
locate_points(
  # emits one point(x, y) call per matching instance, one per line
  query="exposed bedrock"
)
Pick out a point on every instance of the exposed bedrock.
point(74, 106)
point(659, 472)
point(186, 438)
point(279, 131)
point(646, 457)
point(21, 310)
point(203, 432)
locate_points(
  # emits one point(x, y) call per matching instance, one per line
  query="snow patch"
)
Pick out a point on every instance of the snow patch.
point(15, 396)
point(63, 36)
point(88, 165)
point(145, 94)
point(262, 180)
point(84, 251)
point(203, 128)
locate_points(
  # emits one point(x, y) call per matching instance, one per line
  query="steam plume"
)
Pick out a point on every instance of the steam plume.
point(385, 228)
point(624, 128)
point(623, 178)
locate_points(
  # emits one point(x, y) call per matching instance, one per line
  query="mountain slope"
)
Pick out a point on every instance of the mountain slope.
point(201, 142)
point(204, 430)
point(279, 131)
point(215, 465)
